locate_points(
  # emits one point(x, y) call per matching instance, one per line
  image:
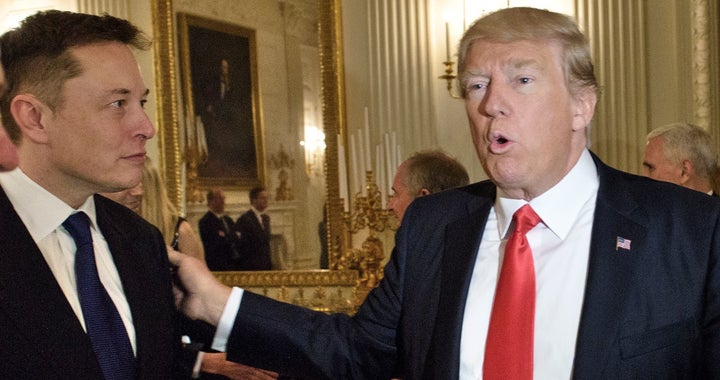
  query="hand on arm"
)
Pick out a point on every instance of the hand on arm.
point(198, 293)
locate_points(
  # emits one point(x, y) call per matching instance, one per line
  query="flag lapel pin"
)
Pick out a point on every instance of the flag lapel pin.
point(622, 243)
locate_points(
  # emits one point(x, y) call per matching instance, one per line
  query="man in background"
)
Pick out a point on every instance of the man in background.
point(683, 154)
point(254, 228)
point(218, 234)
point(422, 174)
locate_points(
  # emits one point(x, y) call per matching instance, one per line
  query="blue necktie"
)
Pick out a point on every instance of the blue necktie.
point(103, 323)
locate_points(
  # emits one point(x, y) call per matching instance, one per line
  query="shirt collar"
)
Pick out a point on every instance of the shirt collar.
point(41, 211)
point(572, 192)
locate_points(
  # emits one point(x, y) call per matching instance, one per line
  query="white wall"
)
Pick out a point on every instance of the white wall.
point(14, 11)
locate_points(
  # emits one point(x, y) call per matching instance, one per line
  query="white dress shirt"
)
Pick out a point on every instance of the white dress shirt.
point(258, 216)
point(561, 247)
point(43, 215)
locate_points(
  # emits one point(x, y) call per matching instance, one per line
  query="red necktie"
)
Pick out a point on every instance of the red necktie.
point(509, 347)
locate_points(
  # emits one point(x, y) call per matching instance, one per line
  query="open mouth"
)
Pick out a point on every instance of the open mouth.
point(499, 143)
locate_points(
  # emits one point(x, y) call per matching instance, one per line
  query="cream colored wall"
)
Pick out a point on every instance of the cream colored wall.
point(13, 11)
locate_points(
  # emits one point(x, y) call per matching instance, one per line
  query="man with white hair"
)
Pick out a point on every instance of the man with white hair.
point(683, 154)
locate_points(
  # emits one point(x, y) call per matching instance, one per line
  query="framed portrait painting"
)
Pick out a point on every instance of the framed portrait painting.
point(223, 139)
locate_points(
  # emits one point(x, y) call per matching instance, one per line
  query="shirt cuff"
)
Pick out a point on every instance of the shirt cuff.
point(198, 365)
point(227, 320)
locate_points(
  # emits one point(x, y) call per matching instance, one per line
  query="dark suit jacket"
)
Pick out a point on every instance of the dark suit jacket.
point(650, 312)
point(41, 335)
point(254, 242)
point(220, 245)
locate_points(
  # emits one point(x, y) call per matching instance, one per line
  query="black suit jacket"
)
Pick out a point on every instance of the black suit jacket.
point(254, 242)
point(41, 335)
point(651, 312)
point(220, 244)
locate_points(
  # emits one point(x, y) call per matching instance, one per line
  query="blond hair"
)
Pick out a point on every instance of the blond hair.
point(156, 206)
point(531, 24)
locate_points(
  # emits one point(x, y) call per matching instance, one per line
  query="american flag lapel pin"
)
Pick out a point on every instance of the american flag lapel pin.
point(622, 243)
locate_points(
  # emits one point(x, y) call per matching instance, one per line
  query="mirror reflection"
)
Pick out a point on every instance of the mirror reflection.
point(284, 71)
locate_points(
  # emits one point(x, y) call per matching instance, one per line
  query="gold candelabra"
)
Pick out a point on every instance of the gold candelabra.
point(367, 212)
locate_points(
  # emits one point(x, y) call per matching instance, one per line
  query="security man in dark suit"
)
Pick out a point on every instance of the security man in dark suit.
point(254, 228)
point(218, 234)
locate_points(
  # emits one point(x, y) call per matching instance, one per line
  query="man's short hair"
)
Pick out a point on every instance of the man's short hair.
point(37, 57)
point(435, 171)
point(531, 24)
point(685, 141)
point(255, 192)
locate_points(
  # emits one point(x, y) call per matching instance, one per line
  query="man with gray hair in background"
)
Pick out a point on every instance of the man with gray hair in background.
point(424, 173)
point(683, 154)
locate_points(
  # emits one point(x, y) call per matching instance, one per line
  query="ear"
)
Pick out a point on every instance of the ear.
point(584, 104)
point(423, 192)
point(687, 171)
point(30, 114)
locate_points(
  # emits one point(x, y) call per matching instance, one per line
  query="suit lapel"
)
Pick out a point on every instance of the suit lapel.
point(142, 284)
point(610, 272)
point(462, 240)
point(33, 304)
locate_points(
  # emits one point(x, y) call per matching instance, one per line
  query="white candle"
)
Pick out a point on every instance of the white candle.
point(342, 167)
point(447, 42)
point(388, 162)
point(381, 176)
point(398, 155)
point(377, 162)
point(368, 164)
point(395, 157)
point(361, 162)
point(354, 162)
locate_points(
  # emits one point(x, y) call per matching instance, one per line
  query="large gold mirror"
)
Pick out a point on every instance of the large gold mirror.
point(330, 289)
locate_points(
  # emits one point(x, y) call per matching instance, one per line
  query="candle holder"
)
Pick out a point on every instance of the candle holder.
point(449, 76)
point(367, 213)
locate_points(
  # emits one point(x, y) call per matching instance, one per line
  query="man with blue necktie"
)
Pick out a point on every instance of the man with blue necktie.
point(85, 289)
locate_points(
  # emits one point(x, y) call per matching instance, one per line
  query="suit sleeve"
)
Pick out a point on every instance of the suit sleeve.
point(289, 339)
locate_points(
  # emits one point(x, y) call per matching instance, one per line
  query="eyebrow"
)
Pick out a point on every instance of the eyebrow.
point(125, 91)
point(525, 63)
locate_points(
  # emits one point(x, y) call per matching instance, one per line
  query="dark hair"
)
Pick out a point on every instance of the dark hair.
point(211, 193)
point(37, 57)
point(255, 192)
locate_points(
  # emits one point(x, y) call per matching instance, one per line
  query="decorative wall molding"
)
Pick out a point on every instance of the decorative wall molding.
point(702, 100)
point(321, 290)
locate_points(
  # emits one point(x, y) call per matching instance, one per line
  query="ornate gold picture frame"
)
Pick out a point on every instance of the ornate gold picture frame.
point(224, 134)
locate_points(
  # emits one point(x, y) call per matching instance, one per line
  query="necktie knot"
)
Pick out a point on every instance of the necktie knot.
point(525, 219)
point(78, 225)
